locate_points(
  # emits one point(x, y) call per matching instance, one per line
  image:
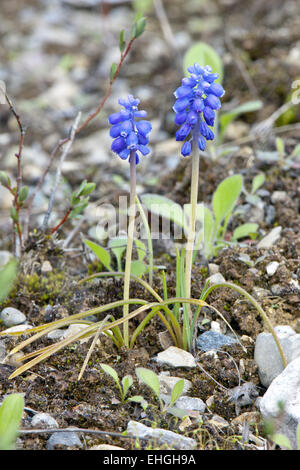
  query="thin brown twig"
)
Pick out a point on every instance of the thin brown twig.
point(65, 140)
point(65, 152)
point(18, 155)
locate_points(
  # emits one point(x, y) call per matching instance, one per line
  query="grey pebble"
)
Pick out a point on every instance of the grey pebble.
point(266, 354)
point(212, 340)
point(172, 439)
point(11, 316)
point(63, 439)
point(43, 421)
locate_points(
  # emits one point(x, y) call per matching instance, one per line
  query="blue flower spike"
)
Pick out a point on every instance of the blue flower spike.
point(197, 100)
point(130, 136)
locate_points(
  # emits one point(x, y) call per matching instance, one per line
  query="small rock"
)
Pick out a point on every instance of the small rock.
point(213, 340)
point(266, 354)
point(55, 334)
point(46, 267)
point(215, 279)
point(106, 447)
point(210, 401)
point(270, 239)
point(11, 317)
point(2, 351)
point(73, 329)
point(278, 289)
point(161, 436)
point(213, 268)
point(218, 422)
point(190, 403)
point(165, 339)
point(215, 326)
point(285, 390)
point(15, 360)
point(272, 267)
point(251, 417)
point(62, 440)
point(176, 357)
point(43, 421)
point(16, 329)
point(166, 384)
point(185, 423)
point(5, 257)
point(278, 196)
point(243, 395)
point(259, 292)
point(270, 214)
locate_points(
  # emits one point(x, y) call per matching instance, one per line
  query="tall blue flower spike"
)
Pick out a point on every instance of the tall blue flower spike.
point(197, 99)
point(129, 135)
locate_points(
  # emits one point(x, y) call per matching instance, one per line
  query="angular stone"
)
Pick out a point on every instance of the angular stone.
point(176, 357)
point(211, 340)
point(166, 384)
point(272, 267)
point(266, 354)
point(270, 239)
point(43, 421)
point(61, 440)
point(285, 391)
point(190, 403)
point(161, 436)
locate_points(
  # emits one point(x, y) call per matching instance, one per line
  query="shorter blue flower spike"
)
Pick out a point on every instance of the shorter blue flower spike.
point(197, 99)
point(129, 136)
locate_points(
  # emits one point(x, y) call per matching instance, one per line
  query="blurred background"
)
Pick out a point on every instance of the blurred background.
point(55, 60)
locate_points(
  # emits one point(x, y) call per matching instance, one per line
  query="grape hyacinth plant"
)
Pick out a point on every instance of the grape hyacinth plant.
point(131, 138)
point(197, 100)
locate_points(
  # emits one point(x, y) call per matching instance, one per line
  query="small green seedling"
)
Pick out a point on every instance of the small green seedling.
point(117, 246)
point(123, 386)
point(80, 198)
point(11, 412)
point(151, 380)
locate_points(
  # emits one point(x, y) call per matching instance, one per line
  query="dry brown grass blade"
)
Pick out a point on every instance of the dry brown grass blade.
point(44, 329)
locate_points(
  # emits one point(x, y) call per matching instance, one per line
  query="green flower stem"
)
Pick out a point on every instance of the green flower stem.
point(149, 240)
point(130, 238)
point(192, 221)
point(258, 308)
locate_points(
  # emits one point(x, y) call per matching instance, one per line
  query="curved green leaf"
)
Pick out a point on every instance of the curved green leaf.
point(101, 253)
point(203, 54)
point(244, 230)
point(225, 197)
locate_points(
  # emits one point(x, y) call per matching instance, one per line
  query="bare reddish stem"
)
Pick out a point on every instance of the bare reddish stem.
point(63, 220)
point(19, 169)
